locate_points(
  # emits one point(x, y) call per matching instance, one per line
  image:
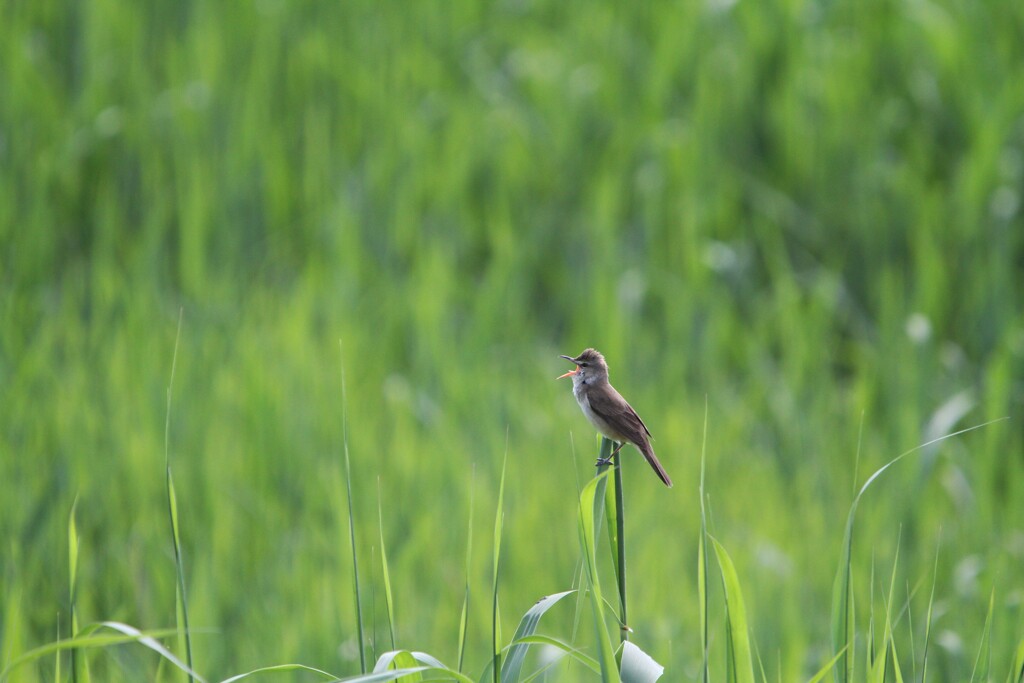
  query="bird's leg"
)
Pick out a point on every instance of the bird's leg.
point(608, 461)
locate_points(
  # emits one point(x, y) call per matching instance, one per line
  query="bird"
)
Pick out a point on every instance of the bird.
point(610, 414)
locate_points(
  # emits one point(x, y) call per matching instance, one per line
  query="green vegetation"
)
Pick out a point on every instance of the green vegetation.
point(805, 216)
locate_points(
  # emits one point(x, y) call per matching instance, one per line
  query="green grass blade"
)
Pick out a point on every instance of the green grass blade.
point(738, 631)
point(89, 640)
point(181, 597)
point(352, 524)
point(877, 673)
point(418, 666)
point(1017, 672)
point(280, 668)
point(464, 618)
point(620, 548)
point(820, 676)
point(842, 597)
point(568, 649)
point(72, 585)
point(384, 570)
point(181, 603)
point(589, 513)
point(513, 663)
point(928, 617)
point(702, 559)
point(496, 562)
point(984, 658)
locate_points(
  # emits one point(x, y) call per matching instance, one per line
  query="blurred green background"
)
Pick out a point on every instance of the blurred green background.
point(802, 215)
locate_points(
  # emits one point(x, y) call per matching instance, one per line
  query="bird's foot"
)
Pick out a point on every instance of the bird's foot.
point(601, 462)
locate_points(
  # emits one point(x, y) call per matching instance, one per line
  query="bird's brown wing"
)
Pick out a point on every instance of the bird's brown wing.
point(614, 410)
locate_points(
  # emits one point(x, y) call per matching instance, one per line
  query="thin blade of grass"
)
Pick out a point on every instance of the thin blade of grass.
point(389, 605)
point(464, 618)
point(820, 676)
point(620, 548)
point(869, 648)
point(72, 586)
point(1017, 672)
point(604, 450)
point(928, 616)
point(513, 663)
point(760, 663)
point(897, 670)
point(181, 597)
point(495, 616)
point(702, 559)
point(842, 597)
point(877, 675)
point(984, 658)
point(351, 519)
point(737, 628)
point(279, 668)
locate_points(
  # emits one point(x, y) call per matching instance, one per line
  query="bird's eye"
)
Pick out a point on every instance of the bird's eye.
point(583, 365)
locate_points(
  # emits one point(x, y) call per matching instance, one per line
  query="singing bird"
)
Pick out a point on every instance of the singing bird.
point(608, 411)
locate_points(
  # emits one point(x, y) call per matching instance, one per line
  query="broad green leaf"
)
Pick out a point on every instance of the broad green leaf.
point(568, 649)
point(513, 663)
point(589, 514)
point(738, 632)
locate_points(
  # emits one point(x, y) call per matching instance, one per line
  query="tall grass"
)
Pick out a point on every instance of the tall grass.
point(805, 212)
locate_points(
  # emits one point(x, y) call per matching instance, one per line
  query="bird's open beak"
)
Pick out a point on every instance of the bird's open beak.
point(571, 372)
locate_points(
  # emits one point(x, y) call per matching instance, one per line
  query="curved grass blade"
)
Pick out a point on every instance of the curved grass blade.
point(407, 658)
point(842, 591)
point(88, 640)
point(589, 514)
point(384, 569)
point(351, 521)
point(278, 668)
point(527, 626)
point(638, 666)
point(419, 666)
point(568, 649)
point(739, 660)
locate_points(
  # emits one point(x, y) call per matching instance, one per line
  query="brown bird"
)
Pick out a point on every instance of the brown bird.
point(608, 411)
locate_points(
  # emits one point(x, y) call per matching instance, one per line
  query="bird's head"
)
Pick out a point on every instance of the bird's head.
point(590, 367)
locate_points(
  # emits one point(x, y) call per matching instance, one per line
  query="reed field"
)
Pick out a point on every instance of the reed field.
point(793, 227)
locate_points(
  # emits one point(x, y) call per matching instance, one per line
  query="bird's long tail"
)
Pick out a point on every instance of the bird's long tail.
point(652, 459)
